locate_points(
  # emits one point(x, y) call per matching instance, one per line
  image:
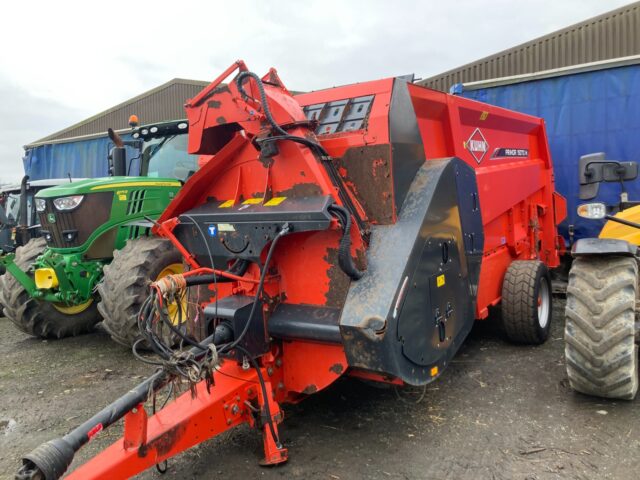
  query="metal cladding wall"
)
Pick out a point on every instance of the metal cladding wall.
point(81, 159)
point(589, 112)
point(162, 103)
point(611, 35)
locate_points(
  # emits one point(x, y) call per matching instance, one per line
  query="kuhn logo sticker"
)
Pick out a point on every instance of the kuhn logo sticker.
point(477, 145)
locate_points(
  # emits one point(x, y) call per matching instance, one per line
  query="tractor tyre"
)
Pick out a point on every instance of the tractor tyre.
point(126, 284)
point(600, 350)
point(37, 317)
point(2, 314)
point(527, 302)
point(1, 305)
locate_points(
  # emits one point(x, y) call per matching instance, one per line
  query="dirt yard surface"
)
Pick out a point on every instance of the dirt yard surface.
point(498, 412)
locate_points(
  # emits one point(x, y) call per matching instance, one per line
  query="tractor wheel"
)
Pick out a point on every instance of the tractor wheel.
point(39, 318)
point(1, 305)
point(126, 284)
point(526, 302)
point(600, 350)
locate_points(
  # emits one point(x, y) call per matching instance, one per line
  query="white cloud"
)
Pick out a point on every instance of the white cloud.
point(62, 61)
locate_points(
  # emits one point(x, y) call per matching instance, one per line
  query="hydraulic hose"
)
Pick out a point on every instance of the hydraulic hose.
point(344, 251)
point(286, 228)
point(263, 99)
point(282, 134)
point(239, 268)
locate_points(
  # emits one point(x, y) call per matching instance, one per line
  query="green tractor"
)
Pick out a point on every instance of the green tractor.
point(95, 257)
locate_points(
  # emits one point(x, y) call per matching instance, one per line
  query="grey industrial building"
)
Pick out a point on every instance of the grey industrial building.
point(612, 35)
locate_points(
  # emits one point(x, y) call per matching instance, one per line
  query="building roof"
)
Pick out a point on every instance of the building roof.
point(164, 102)
point(614, 34)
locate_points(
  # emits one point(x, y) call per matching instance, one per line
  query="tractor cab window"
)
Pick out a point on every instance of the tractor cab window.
point(12, 209)
point(167, 157)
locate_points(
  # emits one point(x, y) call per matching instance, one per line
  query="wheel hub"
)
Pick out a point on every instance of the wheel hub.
point(72, 309)
point(172, 308)
point(544, 301)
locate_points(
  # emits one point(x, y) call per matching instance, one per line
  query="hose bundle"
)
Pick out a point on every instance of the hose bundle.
point(167, 337)
point(197, 364)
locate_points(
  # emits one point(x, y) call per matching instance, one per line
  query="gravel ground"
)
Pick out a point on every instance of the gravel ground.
point(498, 412)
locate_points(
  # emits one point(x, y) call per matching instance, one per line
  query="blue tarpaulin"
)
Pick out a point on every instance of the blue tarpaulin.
point(80, 159)
point(589, 112)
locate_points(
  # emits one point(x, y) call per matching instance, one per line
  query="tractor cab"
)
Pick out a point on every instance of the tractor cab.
point(164, 151)
point(161, 151)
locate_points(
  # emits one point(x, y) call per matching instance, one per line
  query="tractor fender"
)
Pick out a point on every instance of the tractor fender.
point(603, 246)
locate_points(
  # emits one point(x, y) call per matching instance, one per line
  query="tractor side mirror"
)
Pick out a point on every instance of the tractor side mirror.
point(590, 173)
point(595, 168)
point(117, 156)
point(118, 162)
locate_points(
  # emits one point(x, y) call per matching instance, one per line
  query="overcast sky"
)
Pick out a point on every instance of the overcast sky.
point(62, 61)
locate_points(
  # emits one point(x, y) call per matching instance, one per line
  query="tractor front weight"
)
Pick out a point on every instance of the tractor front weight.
point(57, 278)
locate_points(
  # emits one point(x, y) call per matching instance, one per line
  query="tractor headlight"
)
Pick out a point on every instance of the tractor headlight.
point(593, 211)
point(41, 204)
point(67, 203)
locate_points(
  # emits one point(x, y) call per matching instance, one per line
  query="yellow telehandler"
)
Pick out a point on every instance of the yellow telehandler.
point(601, 316)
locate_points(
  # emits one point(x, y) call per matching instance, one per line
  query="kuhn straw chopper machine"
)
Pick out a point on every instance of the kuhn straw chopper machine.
point(357, 230)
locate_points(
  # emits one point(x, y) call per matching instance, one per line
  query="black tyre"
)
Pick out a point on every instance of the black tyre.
point(126, 283)
point(38, 318)
point(600, 350)
point(1, 305)
point(527, 302)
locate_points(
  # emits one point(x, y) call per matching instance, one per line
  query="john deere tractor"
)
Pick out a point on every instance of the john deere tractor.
point(602, 327)
point(95, 257)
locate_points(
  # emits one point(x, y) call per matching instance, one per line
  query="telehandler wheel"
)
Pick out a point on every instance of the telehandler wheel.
point(526, 302)
point(126, 285)
point(600, 350)
point(38, 318)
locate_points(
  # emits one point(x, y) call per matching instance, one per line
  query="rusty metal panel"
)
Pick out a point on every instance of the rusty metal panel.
point(611, 35)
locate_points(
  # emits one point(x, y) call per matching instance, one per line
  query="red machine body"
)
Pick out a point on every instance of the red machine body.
point(509, 153)
point(443, 194)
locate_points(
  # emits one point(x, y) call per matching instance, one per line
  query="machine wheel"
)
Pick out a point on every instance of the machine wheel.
point(38, 318)
point(600, 350)
point(527, 302)
point(126, 284)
